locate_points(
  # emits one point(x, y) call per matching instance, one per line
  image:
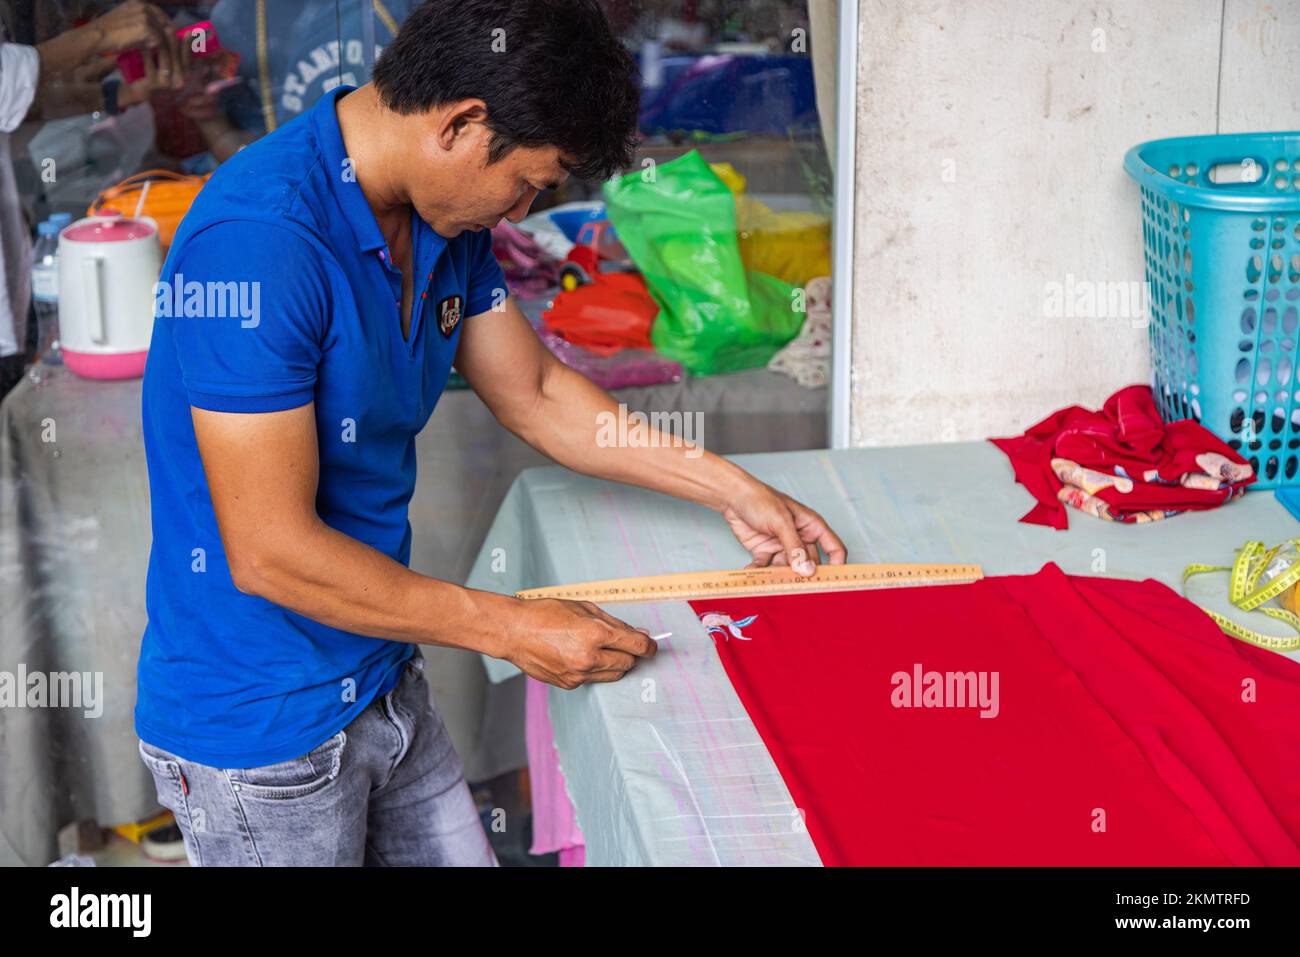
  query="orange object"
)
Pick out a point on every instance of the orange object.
point(614, 311)
point(169, 199)
point(134, 831)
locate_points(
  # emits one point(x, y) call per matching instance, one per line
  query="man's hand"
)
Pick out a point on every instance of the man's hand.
point(777, 530)
point(134, 25)
point(556, 411)
point(155, 79)
point(130, 26)
point(571, 643)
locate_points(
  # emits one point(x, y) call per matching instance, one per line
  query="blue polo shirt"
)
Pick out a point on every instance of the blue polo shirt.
point(278, 291)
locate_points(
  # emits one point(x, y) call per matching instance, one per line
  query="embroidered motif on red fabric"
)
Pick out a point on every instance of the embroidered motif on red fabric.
point(716, 624)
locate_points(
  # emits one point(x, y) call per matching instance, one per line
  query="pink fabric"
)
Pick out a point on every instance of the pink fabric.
point(555, 826)
point(573, 857)
point(529, 271)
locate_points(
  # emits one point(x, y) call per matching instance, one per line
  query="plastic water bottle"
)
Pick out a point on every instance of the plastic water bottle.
point(45, 291)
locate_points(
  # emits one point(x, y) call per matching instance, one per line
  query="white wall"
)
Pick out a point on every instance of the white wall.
point(990, 140)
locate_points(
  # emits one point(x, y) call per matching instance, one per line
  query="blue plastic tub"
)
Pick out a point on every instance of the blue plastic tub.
point(1221, 237)
point(573, 219)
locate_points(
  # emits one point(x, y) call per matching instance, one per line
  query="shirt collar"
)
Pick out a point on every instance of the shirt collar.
point(338, 172)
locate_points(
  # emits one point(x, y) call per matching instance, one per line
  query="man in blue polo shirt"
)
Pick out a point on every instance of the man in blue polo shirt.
point(310, 310)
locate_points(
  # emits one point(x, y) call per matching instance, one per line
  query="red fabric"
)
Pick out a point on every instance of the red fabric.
point(1127, 437)
point(1112, 695)
point(613, 312)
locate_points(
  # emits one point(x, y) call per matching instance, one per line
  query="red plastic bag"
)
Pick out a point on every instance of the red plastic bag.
point(613, 312)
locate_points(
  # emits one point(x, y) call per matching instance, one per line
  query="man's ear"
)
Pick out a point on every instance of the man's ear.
point(459, 120)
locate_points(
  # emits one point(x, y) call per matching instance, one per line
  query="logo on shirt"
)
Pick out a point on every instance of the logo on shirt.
point(449, 311)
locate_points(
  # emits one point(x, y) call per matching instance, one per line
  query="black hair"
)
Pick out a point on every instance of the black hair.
point(563, 78)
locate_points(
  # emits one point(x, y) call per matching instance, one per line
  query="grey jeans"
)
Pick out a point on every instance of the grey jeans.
point(387, 790)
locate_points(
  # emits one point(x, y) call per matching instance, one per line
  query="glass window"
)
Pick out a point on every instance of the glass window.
point(731, 80)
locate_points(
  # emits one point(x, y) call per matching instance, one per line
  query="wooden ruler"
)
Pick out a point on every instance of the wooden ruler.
point(758, 581)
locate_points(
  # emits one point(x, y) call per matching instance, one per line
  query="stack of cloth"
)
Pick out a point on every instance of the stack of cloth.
point(1123, 463)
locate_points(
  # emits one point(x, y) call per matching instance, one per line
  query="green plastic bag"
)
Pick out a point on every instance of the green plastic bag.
point(680, 230)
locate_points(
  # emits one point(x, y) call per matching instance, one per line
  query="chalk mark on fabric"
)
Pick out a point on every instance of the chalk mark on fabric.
point(690, 791)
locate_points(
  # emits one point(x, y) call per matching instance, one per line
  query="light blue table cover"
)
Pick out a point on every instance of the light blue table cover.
point(664, 766)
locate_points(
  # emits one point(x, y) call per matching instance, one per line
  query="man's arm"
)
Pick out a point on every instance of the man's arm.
point(72, 63)
point(559, 412)
point(262, 473)
point(127, 26)
point(250, 390)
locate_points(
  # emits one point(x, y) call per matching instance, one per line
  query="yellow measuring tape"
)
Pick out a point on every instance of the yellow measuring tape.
point(1246, 593)
point(758, 581)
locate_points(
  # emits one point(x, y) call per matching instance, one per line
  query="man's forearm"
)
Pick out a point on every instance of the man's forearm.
point(567, 421)
point(332, 578)
point(59, 95)
point(59, 92)
point(65, 52)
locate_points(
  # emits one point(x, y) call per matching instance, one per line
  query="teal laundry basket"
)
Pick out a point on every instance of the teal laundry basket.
point(1221, 238)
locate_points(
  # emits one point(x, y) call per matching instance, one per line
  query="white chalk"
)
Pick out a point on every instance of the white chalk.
point(666, 634)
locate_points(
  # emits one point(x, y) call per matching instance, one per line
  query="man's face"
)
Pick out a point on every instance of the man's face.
point(475, 195)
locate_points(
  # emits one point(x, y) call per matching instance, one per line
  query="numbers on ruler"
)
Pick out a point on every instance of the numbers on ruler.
point(760, 582)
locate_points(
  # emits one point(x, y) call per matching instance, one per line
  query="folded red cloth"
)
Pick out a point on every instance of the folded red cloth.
point(1126, 439)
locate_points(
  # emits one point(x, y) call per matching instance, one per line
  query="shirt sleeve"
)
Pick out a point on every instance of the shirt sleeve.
point(249, 303)
point(20, 68)
point(487, 283)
